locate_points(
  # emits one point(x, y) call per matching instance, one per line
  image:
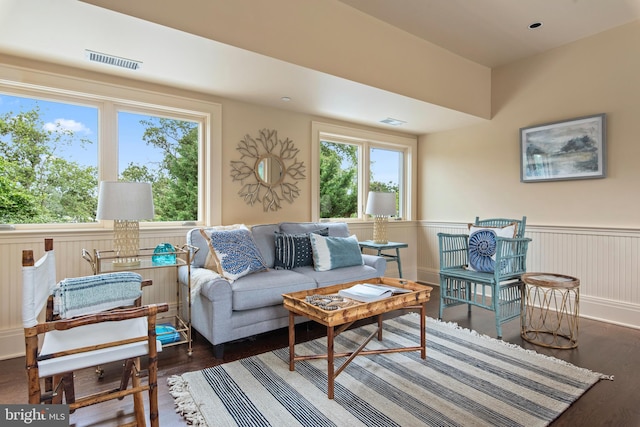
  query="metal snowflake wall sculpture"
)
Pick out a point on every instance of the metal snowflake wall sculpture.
point(268, 169)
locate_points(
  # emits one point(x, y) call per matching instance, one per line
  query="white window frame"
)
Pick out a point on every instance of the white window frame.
point(111, 98)
point(365, 140)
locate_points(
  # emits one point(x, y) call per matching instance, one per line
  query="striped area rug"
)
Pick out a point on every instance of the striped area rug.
point(466, 380)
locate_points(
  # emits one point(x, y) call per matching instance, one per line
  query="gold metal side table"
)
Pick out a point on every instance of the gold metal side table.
point(105, 261)
point(550, 310)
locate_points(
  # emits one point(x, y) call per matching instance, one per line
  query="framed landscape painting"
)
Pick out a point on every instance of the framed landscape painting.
point(570, 149)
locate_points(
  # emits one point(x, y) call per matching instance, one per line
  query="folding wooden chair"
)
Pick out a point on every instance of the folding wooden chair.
point(85, 326)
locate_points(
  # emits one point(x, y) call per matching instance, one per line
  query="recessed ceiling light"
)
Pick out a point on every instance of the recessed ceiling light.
point(535, 25)
point(285, 99)
point(392, 122)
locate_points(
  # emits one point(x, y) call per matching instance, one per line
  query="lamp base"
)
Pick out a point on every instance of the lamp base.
point(126, 243)
point(380, 229)
point(124, 263)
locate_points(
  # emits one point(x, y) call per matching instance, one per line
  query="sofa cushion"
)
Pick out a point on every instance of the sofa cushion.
point(234, 253)
point(359, 273)
point(335, 252)
point(294, 250)
point(336, 229)
point(265, 288)
point(263, 236)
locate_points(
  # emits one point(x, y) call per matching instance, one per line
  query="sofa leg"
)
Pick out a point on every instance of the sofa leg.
point(218, 351)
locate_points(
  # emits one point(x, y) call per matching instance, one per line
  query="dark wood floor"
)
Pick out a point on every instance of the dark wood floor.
point(603, 347)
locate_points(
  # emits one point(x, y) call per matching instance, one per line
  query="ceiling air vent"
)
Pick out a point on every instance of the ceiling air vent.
point(392, 122)
point(113, 60)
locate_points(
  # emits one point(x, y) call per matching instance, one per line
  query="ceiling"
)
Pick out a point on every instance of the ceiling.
point(489, 32)
point(496, 32)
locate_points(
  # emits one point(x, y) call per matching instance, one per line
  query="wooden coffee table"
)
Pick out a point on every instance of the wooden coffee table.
point(337, 321)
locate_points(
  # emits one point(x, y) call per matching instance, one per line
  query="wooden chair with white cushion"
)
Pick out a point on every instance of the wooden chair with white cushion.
point(86, 326)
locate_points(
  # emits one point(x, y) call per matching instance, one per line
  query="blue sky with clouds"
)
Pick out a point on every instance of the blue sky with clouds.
point(83, 121)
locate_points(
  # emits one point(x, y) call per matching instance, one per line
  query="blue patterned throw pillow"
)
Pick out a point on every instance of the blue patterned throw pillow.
point(482, 246)
point(234, 253)
point(294, 250)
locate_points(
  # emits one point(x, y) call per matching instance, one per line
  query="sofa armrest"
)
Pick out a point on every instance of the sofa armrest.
point(211, 302)
point(377, 262)
point(207, 284)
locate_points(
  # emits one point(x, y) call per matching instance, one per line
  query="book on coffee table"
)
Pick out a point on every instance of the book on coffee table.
point(366, 292)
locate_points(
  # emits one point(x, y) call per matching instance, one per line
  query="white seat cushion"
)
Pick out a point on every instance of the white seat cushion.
point(90, 335)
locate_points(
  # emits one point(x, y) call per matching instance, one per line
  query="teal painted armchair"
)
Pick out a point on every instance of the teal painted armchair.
point(487, 262)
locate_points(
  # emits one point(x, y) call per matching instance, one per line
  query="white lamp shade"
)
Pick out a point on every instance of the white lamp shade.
point(379, 203)
point(130, 201)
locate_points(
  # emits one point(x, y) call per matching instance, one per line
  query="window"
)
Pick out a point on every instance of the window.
point(54, 149)
point(48, 161)
point(386, 173)
point(353, 162)
point(162, 151)
point(338, 179)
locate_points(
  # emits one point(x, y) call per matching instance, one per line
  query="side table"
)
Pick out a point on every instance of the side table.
point(104, 261)
point(370, 244)
point(550, 310)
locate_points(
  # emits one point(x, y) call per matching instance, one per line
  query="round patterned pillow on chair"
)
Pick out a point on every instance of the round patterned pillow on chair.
point(482, 246)
point(482, 250)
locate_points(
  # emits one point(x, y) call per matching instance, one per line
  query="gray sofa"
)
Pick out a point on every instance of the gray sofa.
point(223, 311)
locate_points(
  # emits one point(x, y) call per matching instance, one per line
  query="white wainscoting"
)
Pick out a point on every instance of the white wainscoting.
point(607, 262)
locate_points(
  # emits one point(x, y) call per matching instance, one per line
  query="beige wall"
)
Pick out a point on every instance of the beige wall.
point(475, 170)
point(240, 119)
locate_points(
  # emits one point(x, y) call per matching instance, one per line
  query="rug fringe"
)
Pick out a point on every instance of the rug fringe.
point(185, 405)
point(508, 344)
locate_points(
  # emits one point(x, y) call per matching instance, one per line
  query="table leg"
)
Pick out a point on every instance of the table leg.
point(423, 327)
point(292, 341)
point(379, 327)
point(330, 374)
point(399, 263)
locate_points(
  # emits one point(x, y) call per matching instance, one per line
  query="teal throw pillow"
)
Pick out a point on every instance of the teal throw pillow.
point(334, 252)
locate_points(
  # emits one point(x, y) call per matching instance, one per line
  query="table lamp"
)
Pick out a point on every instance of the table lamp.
point(381, 206)
point(125, 203)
